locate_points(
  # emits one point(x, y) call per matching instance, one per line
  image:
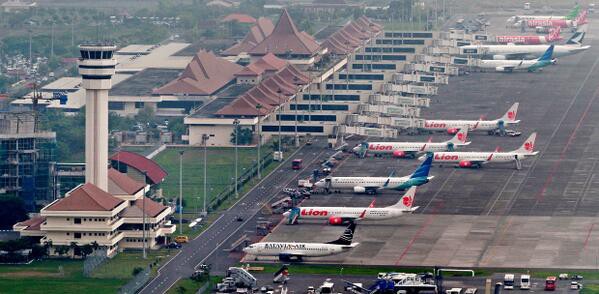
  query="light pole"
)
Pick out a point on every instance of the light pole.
point(143, 213)
point(258, 107)
point(236, 124)
point(279, 91)
point(181, 191)
point(295, 80)
point(205, 138)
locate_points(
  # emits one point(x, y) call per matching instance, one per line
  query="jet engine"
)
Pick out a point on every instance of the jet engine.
point(452, 131)
point(399, 153)
point(499, 57)
point(358, 189)
point(465, 164)
point(335, 221)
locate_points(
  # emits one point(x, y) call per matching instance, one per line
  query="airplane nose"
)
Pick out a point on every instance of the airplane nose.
point(356, 149)
point(286, 213)
point(246, 250)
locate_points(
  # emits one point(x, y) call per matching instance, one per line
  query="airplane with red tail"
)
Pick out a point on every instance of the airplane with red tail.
point(553, 36)
point(343, 215)
point(452, 126)
point(477, 159)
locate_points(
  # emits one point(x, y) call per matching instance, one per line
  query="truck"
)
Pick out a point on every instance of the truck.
point(508, 282)
point(550, 283)
point(524, 282)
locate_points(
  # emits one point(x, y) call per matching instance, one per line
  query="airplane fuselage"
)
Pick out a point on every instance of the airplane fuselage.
point(413, 147)
point(294, 249)
point(478, 157)
point(524, 40)
point(368, 213)
point(473, 125)
point(531, 51)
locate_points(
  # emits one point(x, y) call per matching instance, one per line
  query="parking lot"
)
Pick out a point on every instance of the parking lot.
point(542, 216)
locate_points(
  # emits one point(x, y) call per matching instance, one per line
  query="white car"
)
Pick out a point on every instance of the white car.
point(575, 285)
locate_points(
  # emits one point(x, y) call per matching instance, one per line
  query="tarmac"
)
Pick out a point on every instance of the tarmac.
point(542, 216)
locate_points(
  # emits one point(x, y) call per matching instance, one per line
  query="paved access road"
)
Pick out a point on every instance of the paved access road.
point(226, 229)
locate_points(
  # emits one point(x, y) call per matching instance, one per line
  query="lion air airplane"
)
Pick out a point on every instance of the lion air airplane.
point(287, 251)
point(341, 215)
point(412, 149)
point(452, 126)
point(553, 36)
point(477, 159)
point(371, 185)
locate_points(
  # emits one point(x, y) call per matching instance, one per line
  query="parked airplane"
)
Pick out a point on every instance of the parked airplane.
point(562, 23)
point(451, 126)
point(287, 251)
point(477, 159)
point(572, 15)
point(371, 185)
point(512, 65)
point(553, 36)
point(412, 149)
point(510, 51)
point(342, 215)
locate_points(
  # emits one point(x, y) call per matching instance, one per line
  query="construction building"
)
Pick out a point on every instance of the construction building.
point(27, 156)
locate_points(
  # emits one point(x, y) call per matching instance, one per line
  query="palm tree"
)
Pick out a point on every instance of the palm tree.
point(75, 249)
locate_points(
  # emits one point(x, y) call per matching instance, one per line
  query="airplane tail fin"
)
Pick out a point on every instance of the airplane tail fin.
point(510, 114)
point(581, 18)
point(528, 147)
point(407, 200)
point(554, 34)
point(574, 13)
point(347, 237)
point(548, 54)
point(460, 137)
point(424, 168)
point(578, 36)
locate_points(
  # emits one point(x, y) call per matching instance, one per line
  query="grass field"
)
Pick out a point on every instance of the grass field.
point(47, 277)
point(590, 289)
point(122, 265)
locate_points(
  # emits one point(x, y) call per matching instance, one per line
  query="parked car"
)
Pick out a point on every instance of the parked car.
point(174, 245)
point(181, 239)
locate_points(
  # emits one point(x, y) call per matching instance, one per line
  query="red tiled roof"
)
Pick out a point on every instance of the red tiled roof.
point(285, 38)
point(267, 93)
point(268, 62)
point(351, 36)
point(239, 17)
point(204, 75)
point(86, 197)
point(257, 33)
point(153, 208)
point(140, 163)
point(32, 224)
point(123, 183)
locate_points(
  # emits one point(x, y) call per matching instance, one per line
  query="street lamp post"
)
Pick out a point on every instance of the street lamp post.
point(295, 80)
point(279, 91)
point(205, 138)
point(236, 130)
point(143, 213)
point(258, 107)
point(181, 191)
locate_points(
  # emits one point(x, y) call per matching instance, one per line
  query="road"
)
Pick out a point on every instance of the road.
point(209, 246)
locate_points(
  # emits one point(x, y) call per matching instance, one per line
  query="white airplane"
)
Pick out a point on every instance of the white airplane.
point(477, 159)
point(452, 126)
point(371, 185)
point(511, 51)
point(412, 149)
point(572, 15)
point(342, 215)
point(530, 65)
point(287, 251)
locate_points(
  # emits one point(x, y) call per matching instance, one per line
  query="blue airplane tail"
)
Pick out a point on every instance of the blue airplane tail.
point(424, 168)
point(547, 55)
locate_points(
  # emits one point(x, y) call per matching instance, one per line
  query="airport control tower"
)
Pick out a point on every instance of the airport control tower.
point(96, 66)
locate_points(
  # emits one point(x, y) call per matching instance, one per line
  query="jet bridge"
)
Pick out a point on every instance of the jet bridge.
point(424, 58)
point(438, 50)
point(389, 110)
point(432, 68)
point(420, 78)
point(412, 100)
point(369, 131)
point(427, 90)
point(394, 122)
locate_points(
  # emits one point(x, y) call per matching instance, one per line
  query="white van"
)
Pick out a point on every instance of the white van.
point(508, 282)
point(524, 282)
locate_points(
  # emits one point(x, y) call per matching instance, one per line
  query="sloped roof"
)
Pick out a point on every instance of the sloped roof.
point(141, 163)
point(268, 62)
point(286, 38)
point(119, 183)
point(257, 34)
point(32, 224)
point(239, 17)
point(351, 36)
point(86, 197)
point(272, 90)
point(153, 208)
point(204, 75)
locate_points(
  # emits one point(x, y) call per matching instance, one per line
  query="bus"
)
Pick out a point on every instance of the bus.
point(296, 164)
point(524, 282)
point(550, 283)
point(508, 282)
